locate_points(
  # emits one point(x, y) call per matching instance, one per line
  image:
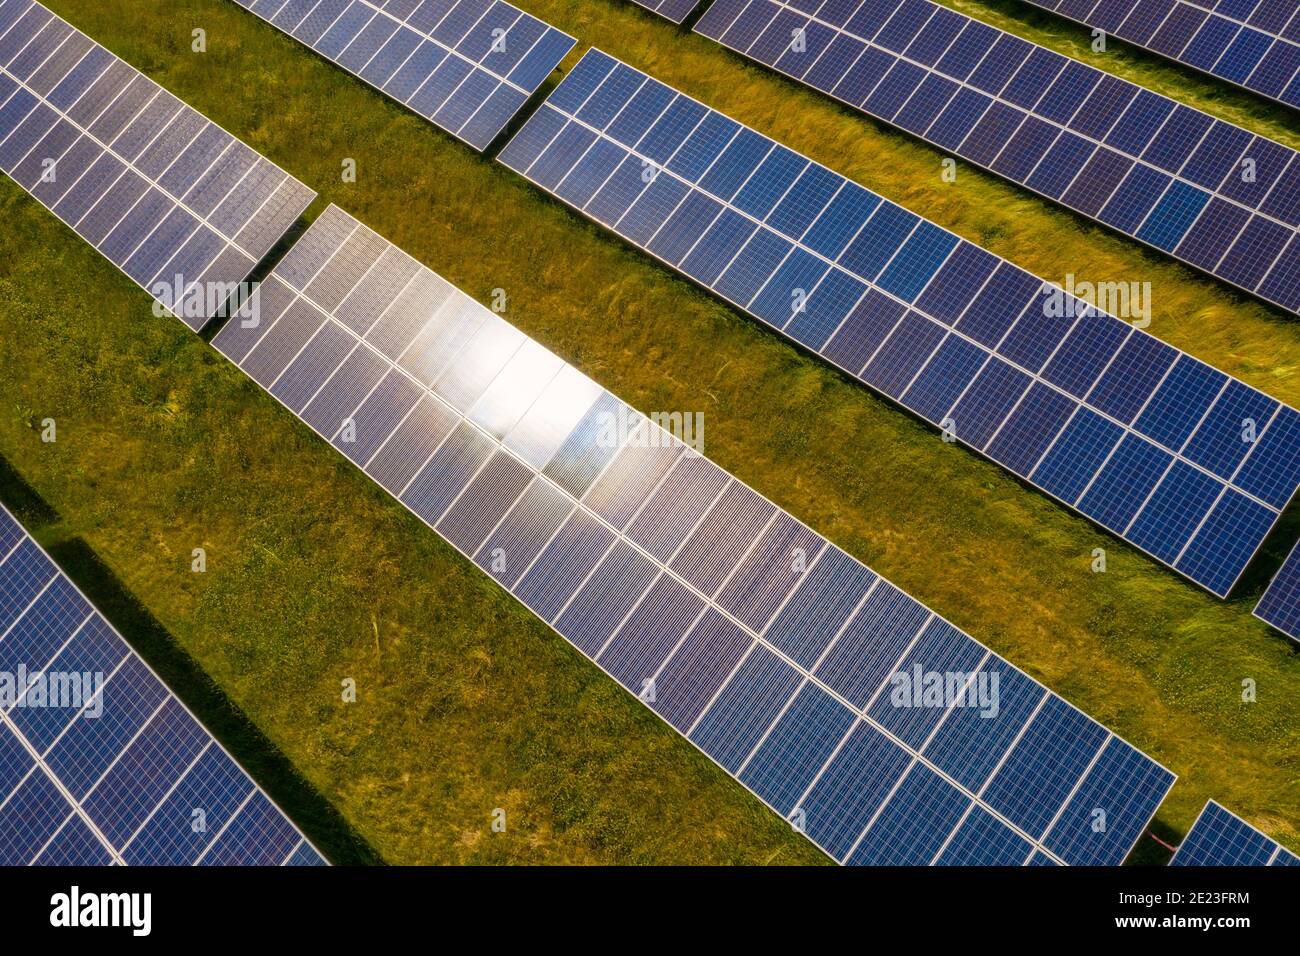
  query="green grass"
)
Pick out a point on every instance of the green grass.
point(467, 703)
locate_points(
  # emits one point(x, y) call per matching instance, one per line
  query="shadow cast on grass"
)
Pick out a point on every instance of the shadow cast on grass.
point(260, 757)
point(1149, 851)
point(22, 500)
point(322, 823)
point(215, 323)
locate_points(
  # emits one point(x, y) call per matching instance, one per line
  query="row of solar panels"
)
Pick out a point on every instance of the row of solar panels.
point(100, 763)
point(467, 66)
point(972, 782)
point(875, 54)
point(1252, 43)
point(770, 649)
point(1185, 463)
point(1220, 838)
point(1142, 164)
point(157, 188)
point(1245, 53)
point(1182, 461)
point(759, 682)
point(1209, 193)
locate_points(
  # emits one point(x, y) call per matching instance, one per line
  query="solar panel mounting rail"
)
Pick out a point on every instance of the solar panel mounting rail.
point(118, 772)
point(178, 204)
point(1208, 193)
point(1187, 464)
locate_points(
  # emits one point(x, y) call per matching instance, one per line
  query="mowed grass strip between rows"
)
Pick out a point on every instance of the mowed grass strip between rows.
point(465, 702)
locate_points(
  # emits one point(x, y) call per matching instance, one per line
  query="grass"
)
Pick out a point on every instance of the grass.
point(465, 702)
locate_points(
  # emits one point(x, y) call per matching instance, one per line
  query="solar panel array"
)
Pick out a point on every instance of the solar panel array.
point(1253, 43)
point(1206, 192)
point(1220, 838)
point(1280, 604)
point(1182, 461)
point(174, 201)
point(674, 10)
point(100, 764)
point(766, 646)
point(467, 66)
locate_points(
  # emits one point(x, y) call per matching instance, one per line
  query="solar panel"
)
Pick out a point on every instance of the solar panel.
point(170, 198)
point(100, 763)
point(1220, 838)
point(467, 66)
point(674, 10)
point(1208, 193)
point(1180, 460)
point(1252, 43)
point(774, 652)
point(1280, 604)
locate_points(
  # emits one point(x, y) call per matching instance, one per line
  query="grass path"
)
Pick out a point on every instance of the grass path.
point(466, 703)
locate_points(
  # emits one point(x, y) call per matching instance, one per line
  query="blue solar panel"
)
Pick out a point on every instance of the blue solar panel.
point(1280, 604)
point(1095, 412)
point(674, 10)
point(171, 199)
point(846, 706)
point(1252, 43)
point(99, 762)
point(466, 66)
point(1221, 838)
point(1204, 191)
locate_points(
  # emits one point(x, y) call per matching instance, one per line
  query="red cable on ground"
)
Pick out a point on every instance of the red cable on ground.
point(1171, 849)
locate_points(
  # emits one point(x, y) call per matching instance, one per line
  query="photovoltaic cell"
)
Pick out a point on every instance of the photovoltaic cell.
point(774, 652)
point(466, 66)
point(674, 10)
point(1206, 192)
point(171, 199)
point(1251, 43)
point(1280, 604)
point(1221, 838)
point(99, 762)
point(1174, 456)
